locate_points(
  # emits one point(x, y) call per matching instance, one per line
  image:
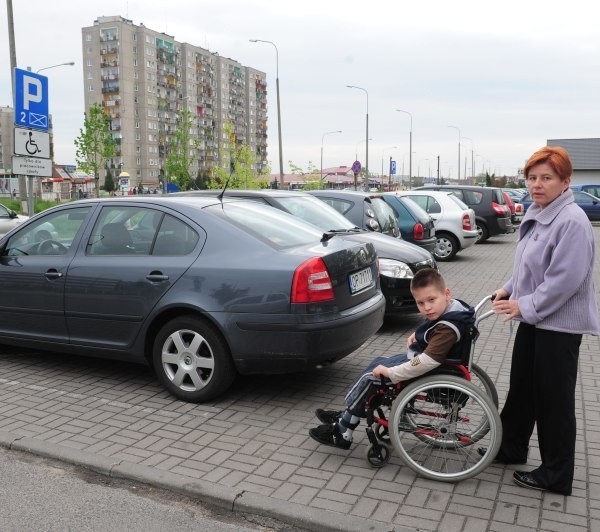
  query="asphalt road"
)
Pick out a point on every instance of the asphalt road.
point(38, 494)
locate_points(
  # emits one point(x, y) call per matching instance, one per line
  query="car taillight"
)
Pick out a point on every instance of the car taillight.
point(498, 209)
point(418, 232)
point(466, 223)
point(518, 208)
point(311, 282)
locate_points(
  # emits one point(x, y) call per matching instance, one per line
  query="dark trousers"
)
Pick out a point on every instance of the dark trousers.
point(542, 391)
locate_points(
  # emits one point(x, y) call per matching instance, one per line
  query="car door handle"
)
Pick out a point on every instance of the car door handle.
point(53, 274)
point(157, 277)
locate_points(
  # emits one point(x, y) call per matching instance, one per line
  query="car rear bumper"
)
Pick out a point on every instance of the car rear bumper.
point(297, 342)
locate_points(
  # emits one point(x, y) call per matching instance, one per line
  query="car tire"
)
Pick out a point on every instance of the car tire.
point(446, 247)
point(483, 232)
point(192, 360)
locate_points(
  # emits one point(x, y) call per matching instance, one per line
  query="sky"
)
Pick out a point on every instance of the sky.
point(506, 76)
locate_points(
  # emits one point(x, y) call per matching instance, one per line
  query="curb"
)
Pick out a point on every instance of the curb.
point(242, 502)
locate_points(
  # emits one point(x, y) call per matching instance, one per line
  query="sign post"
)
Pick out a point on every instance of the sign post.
point(356, 168)
point(32, 140)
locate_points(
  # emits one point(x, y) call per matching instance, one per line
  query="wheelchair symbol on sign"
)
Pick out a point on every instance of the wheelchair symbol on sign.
point(31, 146)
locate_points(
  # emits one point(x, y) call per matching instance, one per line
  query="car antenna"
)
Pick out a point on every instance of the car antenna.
point(231, 170)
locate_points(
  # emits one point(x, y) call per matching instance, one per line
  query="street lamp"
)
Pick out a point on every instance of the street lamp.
point(419, 167)
point(472, 160)
point(70, 63)
point(454, 127)
point(322, 139)
point(356, 148)
point(278, 108)
point(409, 147)
point(367, 130)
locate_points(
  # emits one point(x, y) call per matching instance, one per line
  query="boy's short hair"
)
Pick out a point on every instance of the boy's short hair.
point(428, 277)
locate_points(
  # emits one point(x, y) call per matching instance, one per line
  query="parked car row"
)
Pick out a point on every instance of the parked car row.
point(206, 285)
point(398, 260)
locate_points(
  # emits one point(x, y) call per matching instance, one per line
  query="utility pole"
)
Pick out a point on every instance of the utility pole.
point(13, 65)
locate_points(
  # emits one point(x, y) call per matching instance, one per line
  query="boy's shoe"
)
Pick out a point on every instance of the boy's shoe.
point(329, 435)
point(328, 416)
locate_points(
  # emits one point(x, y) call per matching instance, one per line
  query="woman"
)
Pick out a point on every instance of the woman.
point(551, 292)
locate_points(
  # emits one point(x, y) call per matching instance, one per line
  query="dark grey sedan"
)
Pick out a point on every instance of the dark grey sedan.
point(199, 288)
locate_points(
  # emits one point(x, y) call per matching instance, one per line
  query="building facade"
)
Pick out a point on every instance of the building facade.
point(144, 79)
point(585, 156)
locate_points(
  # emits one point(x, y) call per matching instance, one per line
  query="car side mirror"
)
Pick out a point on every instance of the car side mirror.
point(12, 214)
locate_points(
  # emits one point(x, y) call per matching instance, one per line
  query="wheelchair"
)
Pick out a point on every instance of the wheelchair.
point(445, 424)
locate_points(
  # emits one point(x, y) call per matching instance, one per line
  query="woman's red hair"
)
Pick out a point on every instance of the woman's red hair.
point(556, 157)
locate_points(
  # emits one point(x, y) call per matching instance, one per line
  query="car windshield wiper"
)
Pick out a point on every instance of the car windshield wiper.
point(332, 232)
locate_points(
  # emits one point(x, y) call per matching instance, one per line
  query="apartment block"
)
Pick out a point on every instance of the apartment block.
point(144, 79)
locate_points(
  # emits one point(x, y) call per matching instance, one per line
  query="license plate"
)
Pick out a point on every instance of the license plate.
point(360, 280)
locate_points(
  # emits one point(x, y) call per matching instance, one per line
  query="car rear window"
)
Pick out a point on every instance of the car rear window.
point(472, 197)
point(458, 201)
point(385, 215)
point(268, 224)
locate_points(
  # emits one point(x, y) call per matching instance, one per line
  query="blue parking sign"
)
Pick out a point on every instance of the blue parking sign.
point(392, 167)
point(31, 100)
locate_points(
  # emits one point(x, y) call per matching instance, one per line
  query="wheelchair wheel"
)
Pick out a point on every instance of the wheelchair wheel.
point(481, 379)
point(435, 422)
point(379, 457)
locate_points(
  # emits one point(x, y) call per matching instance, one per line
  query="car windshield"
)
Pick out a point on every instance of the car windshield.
point(316, 212)
point(268, 224)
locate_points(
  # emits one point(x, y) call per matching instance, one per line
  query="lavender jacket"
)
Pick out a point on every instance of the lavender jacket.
point(553, 270)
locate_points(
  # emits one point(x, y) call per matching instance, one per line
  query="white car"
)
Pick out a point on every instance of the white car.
point(455, 226)
point(9, 219)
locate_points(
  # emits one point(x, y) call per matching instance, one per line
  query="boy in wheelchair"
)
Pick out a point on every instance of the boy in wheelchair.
point(447, 321)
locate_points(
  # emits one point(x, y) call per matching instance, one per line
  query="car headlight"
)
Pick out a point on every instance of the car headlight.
point(395, 269)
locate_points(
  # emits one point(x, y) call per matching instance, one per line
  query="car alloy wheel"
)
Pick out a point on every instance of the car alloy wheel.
point(446, 247)
point(192, 360)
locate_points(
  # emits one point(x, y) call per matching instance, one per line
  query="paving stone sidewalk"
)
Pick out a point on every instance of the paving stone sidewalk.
point(250, 451)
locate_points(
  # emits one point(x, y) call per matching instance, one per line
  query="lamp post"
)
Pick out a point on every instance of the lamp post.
point(454, 127)
point(409, 147)
point(367, 130)
point(472, 160)
point(356, 148)
point(322, 139)
point(278, 108)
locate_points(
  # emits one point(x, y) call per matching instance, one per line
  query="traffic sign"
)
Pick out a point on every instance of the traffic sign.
point(32, 166)
point(31, 100)
point(30, 142)
point(356, 167)
point(392, 167)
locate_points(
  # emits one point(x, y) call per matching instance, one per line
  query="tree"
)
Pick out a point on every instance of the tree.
point(95, 144)
point(179, 161)
point(236, 166)
point(109, 182)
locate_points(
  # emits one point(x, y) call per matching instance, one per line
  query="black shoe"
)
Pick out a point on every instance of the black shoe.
point(328, 416)
point(329, 435)
point(501, 459)
point(527, 480)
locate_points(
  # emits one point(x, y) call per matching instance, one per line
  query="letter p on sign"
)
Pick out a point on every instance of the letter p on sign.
point(32, 91)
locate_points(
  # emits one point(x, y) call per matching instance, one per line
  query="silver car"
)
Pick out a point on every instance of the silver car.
point(9, 219)
point(455, 226)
